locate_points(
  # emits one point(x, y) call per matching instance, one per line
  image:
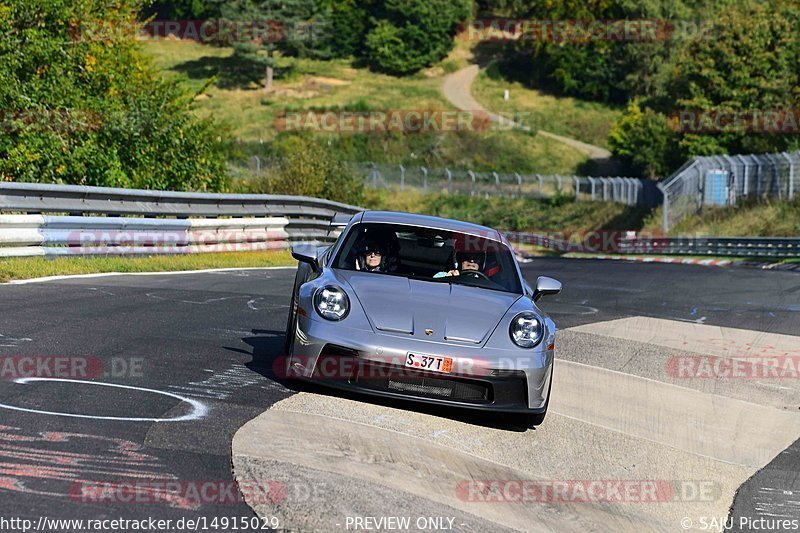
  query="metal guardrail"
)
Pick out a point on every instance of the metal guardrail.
point(614, 242)
point(777, 247)
point(48, 220)
point(65, 220)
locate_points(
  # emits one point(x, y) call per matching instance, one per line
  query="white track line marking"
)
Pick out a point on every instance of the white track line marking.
point(109, 274)
point(199, 410)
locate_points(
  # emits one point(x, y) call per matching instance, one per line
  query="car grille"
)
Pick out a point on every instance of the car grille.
point(425, 386)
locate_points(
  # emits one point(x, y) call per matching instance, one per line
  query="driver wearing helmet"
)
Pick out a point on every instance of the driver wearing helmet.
point(466, 261)
point(372, 258)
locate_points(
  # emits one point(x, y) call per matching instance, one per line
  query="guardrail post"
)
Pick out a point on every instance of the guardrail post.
point(558, 180)
point(496, 182)
point(538, 177)
point(577, 188)
point(472, 176)
point(424, 179)
point(592, 185)
point(519, 183)
point(449, 180)
point(402, 178)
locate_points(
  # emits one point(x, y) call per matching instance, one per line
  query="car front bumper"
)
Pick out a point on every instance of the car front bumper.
point(482, 378)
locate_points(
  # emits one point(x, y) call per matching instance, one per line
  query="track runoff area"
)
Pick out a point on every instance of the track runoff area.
point(153, 401)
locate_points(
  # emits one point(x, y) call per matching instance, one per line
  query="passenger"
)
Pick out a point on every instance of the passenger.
point(466, 261)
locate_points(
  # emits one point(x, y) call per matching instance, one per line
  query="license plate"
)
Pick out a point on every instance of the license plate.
point(433, 363)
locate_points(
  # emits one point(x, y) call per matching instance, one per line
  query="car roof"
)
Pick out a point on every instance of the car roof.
point(409, 219)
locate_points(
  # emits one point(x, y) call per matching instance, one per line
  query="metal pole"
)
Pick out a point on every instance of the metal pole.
point(374, 176)
point(732, 192)
point(558, 178)
point(665, 212)
point(402, 178)
point(472, 176)
point(791, 174)
point(496, 182)
point(592, 184)
point(577, 188)
point(424, 179)
point(449, 180)
point(519, 183)
point(540, 182)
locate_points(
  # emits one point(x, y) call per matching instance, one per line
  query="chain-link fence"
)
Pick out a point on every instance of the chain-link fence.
point(631, 191)
point(725, 180)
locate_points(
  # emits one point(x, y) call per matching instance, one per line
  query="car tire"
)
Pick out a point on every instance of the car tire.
point(291, 330)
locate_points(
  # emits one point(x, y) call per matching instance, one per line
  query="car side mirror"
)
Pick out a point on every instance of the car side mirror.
point(545, 287)
point(306, 254)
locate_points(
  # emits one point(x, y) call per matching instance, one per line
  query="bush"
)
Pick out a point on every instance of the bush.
point(645, 143)
point(306, 168)
point(410, 35)
point(95, 111)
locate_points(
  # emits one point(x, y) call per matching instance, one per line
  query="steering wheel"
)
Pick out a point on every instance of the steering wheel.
point(475, 274)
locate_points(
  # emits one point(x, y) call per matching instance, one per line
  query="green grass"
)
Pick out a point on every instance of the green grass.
point(513, 214)
point(36, 267)
point(237, 99)
point(589, 122)
point(769, 219)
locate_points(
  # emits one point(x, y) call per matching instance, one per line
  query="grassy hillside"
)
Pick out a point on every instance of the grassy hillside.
point(236, 98)
point(513, 214)
point(771, 219)
point(585, 121)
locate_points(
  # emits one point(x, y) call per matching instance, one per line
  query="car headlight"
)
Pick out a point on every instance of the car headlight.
point(332, 303)
point(526, 330)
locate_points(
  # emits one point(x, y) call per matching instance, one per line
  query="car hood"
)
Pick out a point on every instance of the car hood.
point(434, 311)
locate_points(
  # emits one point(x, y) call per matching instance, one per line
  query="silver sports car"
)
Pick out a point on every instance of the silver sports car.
point(425, 309)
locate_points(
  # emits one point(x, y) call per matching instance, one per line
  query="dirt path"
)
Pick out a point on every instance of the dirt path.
point(457, 88)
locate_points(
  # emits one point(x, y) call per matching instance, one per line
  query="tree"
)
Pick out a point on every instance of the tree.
point(81, 104)
point(644, 141)
point(295, 27)
point(750, 65)
point(409, 35)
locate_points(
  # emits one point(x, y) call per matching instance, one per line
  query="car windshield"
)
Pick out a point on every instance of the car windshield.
point(429, 254)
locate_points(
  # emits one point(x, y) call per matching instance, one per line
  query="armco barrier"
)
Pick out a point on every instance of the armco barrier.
point(56, 220)
point(611, 242)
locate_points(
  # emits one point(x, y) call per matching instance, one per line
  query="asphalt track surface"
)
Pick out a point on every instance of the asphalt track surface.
point(212, 338)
